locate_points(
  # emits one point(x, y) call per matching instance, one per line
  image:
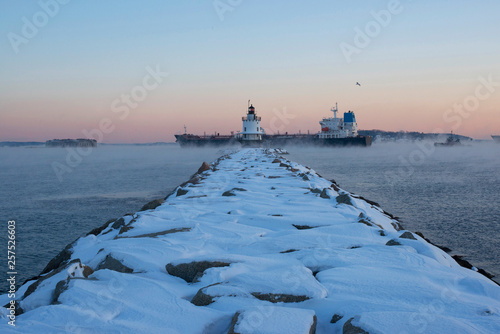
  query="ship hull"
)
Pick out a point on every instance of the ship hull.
point(351, 141)
point(195, 141)
point(274, 140)
point(496, 139)
point(447, 144)
point(316, 141)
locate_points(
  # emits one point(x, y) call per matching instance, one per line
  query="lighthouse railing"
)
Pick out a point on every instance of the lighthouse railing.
point(256, 118)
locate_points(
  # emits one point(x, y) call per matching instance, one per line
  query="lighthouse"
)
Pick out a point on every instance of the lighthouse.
point(252, 132)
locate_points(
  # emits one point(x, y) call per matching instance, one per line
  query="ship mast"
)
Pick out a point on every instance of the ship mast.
point(335, 111)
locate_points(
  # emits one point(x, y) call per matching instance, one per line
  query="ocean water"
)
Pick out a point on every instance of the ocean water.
point(108, 183)
point(449, 194)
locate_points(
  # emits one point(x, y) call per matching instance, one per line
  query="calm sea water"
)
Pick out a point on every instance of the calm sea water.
point(449, 194)
point(108, 183)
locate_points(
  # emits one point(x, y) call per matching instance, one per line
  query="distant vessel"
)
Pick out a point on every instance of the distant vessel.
point(80, 142)
point(216, 139)
point(496, 139)
point(450, 141)
point(334, 132)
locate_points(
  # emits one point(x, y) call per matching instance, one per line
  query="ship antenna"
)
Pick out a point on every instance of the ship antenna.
point(185, 130)
point(335, 110)
point(248, 103)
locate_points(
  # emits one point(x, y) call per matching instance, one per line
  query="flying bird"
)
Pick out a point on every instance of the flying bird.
point(358, 84)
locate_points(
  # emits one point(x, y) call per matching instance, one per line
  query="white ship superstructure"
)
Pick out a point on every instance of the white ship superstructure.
point(334, 127)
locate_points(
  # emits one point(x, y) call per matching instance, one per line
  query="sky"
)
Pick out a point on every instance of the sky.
point(138, 71)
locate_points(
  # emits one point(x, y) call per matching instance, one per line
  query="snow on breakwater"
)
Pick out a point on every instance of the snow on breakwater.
point(256, 244)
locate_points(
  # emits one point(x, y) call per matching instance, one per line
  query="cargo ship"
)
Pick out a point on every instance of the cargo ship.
point(450, 141)
point(216, 139)
point(335, 131)
point(496, 139)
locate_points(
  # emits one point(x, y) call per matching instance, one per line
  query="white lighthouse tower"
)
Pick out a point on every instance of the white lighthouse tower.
point(252, 132)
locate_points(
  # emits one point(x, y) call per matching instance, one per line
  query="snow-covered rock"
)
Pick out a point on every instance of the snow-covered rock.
point(255, 243)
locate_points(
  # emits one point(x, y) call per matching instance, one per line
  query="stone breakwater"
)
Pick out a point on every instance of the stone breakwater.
point(254, 243)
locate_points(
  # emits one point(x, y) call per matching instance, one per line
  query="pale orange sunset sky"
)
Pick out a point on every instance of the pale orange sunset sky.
point(65, 72)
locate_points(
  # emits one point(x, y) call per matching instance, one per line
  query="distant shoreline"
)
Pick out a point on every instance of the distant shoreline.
point(27, 144)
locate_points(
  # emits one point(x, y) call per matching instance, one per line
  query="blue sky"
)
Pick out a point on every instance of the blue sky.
point(280, 54)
